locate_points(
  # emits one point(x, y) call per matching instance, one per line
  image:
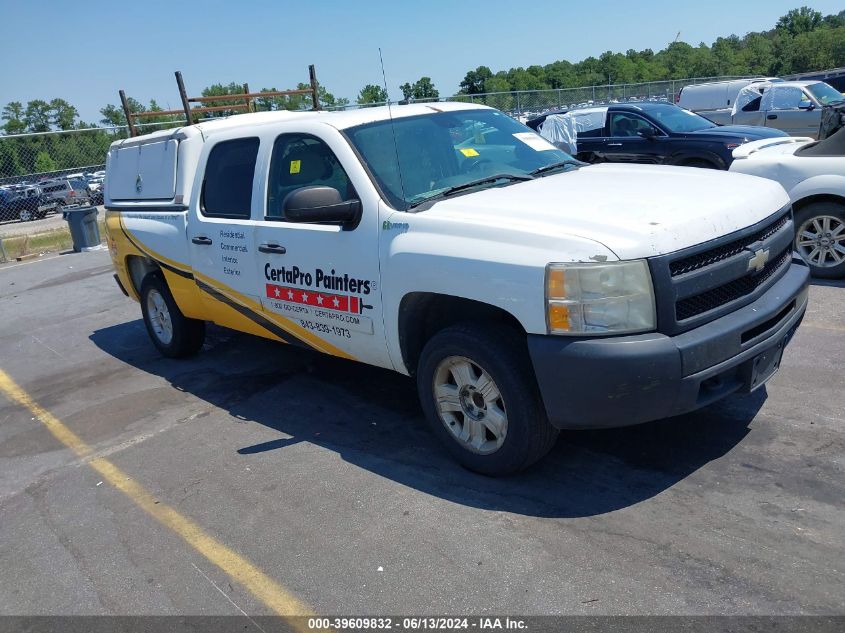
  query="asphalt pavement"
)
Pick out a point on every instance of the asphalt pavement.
point(320, 479)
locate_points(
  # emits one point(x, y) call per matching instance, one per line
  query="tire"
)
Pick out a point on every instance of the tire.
point(820, 238)
point(700, 163)
point(26, 215)
point(175, 335)
point(485, 433)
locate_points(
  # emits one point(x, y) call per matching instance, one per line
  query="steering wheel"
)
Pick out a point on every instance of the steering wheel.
point(474, 164)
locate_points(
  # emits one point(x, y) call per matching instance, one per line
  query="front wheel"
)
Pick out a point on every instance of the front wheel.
point(477, 389)
point(820, 238)
point(26, 215)
point(174, 334)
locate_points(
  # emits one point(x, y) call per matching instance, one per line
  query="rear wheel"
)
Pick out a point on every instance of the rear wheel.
point(701, 163)
point(175, 335)
point(479, 395)
point(26, 215)
point(820, 238)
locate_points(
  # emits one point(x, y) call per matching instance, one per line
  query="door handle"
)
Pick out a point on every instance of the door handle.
point(202, 240)
point(772, 117)
point(614, 144)
point(272, 248)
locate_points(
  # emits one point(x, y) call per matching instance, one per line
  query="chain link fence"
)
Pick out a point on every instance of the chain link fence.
point(28, 160)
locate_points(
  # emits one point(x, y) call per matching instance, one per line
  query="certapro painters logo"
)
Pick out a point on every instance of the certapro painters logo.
point(318, 280)
point(303, 295)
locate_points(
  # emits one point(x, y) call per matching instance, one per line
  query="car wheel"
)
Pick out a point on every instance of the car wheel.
point(820, 238)
point(26, 215)
point(478, 391)
point(174, 334)
point(700, 163)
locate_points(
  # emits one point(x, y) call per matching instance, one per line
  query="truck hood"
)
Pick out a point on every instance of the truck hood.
point(633, 210)
point(750, 132)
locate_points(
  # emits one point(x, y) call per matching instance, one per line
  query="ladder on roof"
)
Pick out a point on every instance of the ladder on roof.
point(246, 97)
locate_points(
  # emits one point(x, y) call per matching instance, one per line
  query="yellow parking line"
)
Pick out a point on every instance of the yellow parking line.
point(267, 590)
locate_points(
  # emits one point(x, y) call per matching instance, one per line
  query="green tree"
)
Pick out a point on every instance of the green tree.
point(38, 116)
point(43, 163)
point(473, 82)
point(420, 89)
point(62, 114)
point(13, 115)
point(371, 94)
point(112, 115)
point(799, 21)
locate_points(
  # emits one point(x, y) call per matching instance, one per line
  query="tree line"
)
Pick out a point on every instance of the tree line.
point(801, 41)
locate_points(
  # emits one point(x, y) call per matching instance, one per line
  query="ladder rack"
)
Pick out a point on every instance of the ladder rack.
point(246, 97)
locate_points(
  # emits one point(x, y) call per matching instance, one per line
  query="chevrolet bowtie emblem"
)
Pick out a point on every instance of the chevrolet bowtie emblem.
point(759, 260)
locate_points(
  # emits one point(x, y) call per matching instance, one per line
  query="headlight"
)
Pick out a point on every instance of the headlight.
point(612, 298)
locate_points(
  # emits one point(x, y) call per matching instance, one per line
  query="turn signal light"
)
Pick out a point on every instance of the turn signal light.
point(559, 317)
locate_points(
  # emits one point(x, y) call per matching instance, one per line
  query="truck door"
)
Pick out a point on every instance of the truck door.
point(320, 281)
point(626, 145)
point(221, 234)
point(788, 108)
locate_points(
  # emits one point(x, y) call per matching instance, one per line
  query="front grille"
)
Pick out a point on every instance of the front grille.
point(733, 290)
point(724, 251)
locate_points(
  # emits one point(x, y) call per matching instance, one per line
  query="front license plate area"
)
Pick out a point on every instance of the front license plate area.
point(763, 366)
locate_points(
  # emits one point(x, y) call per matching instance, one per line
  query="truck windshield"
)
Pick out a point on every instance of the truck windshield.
point(444, 153)
point(678, 120)
point(824, 93)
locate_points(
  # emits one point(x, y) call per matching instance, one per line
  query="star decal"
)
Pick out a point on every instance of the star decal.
point(335, 302)
point(278, 292)
point(320, 299)
point(305, 297)
point(290, 294)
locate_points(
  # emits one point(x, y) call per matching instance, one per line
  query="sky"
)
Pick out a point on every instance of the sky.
point(88, 50)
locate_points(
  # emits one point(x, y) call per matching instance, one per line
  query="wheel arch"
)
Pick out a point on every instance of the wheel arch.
point(688, 158)
point(801, 203)
point(138, 267)
point(423, 314)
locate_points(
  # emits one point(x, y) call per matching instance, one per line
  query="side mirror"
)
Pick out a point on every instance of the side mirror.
point(647, 133)
point(809, 106)
point(320, 204)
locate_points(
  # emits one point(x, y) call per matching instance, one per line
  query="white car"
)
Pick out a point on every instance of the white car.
point(813, 173)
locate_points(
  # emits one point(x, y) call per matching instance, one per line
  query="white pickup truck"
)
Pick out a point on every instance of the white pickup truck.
point(524, 291)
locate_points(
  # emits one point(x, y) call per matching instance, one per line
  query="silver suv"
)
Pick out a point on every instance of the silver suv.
point(66, 192)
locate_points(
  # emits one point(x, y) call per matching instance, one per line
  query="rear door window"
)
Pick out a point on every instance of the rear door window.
point(229, 173)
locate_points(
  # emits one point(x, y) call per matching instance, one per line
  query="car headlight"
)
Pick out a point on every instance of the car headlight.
point(609, 298)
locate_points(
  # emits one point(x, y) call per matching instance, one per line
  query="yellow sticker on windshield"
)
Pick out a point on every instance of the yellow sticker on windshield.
point(294, 166)
point(468, 152)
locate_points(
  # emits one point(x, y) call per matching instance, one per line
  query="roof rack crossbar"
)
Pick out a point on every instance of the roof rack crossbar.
point(247, 97)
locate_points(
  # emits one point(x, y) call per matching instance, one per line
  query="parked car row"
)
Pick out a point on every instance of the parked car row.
point(32, 201)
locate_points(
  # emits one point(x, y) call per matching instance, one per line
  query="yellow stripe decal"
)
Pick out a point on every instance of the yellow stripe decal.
point(300, 333)
point(271, 593)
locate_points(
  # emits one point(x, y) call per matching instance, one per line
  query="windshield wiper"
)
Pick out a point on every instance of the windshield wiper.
point(563, 163)
point(472, 183)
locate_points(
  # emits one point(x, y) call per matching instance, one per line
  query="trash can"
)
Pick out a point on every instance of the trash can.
point(84, 231)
